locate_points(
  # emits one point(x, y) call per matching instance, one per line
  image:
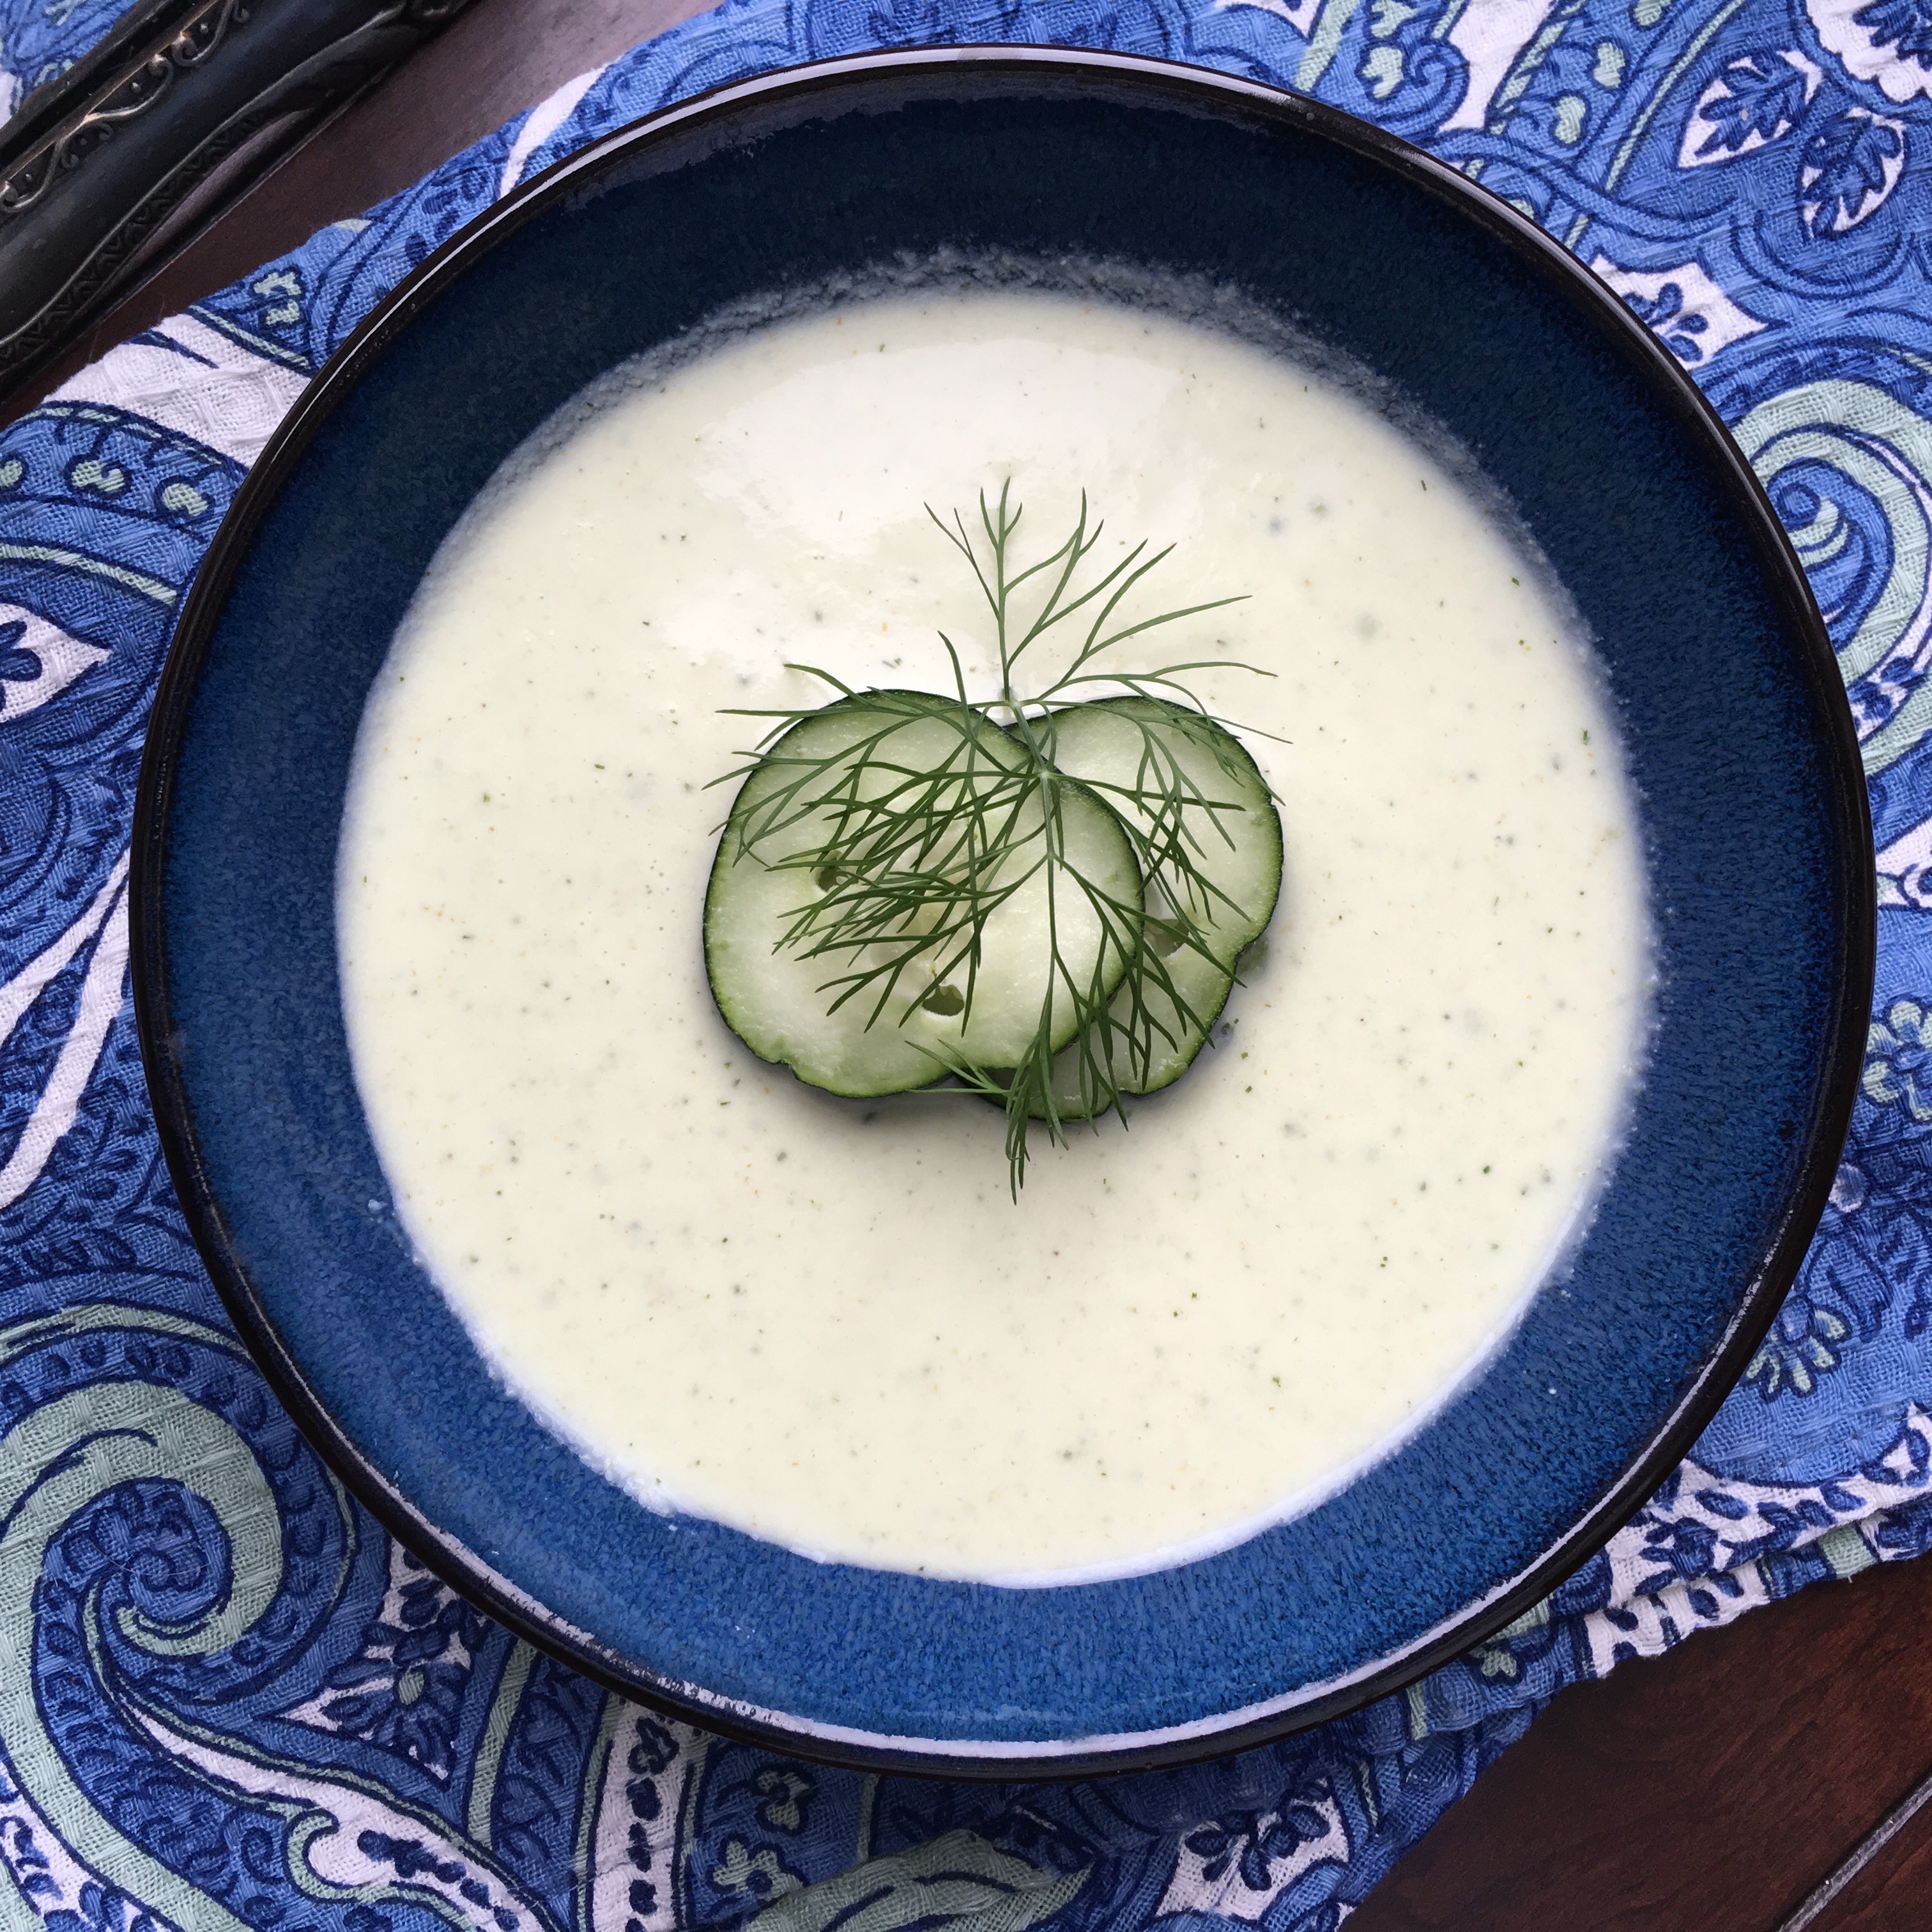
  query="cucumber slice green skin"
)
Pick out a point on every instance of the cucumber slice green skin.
point(775, 996)
point(1237, 854)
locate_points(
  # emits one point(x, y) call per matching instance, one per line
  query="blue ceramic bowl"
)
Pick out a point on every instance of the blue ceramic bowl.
point(1735, 726)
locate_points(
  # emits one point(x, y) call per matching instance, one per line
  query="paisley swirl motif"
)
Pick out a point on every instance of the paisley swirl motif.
point(181, 1550)
point(1845, 457)
point(1847, 466)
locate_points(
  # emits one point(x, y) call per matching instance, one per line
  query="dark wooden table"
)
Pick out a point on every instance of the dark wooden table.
point(1710, 1790)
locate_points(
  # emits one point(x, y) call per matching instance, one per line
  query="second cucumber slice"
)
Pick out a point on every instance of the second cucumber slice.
point(1187, 787)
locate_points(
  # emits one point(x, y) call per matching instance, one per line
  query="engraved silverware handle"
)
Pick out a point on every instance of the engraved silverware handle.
point(109, 170)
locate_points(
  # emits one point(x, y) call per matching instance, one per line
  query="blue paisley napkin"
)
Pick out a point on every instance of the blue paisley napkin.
point(227, 1699)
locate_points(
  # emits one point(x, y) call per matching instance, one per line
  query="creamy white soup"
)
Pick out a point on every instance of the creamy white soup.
point(825, 1320)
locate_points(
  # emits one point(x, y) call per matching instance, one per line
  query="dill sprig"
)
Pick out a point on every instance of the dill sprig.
point(909, 860)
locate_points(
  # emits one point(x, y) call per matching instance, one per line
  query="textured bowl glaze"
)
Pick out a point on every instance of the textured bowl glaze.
point(1736, 732)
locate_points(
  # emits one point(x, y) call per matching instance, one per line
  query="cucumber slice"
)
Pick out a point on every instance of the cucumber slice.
point(1136, 753)
point(772, 899)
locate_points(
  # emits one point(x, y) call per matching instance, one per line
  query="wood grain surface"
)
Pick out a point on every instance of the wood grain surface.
point(1709, 1790)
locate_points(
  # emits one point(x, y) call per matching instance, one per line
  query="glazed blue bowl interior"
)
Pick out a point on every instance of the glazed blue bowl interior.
point(1735, 738)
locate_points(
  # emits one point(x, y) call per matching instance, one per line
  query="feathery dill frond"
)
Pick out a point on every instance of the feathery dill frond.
point(909, 860)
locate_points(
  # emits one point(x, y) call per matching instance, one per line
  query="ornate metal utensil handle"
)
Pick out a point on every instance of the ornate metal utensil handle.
point(109, 170)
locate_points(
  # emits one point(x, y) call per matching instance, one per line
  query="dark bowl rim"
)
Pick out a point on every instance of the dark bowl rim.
point(1166, 82)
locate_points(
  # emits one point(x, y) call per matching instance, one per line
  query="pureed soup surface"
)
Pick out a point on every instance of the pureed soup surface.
point(826, 1320)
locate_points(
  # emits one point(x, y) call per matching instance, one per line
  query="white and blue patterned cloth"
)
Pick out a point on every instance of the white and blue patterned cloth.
point(297, 1727)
